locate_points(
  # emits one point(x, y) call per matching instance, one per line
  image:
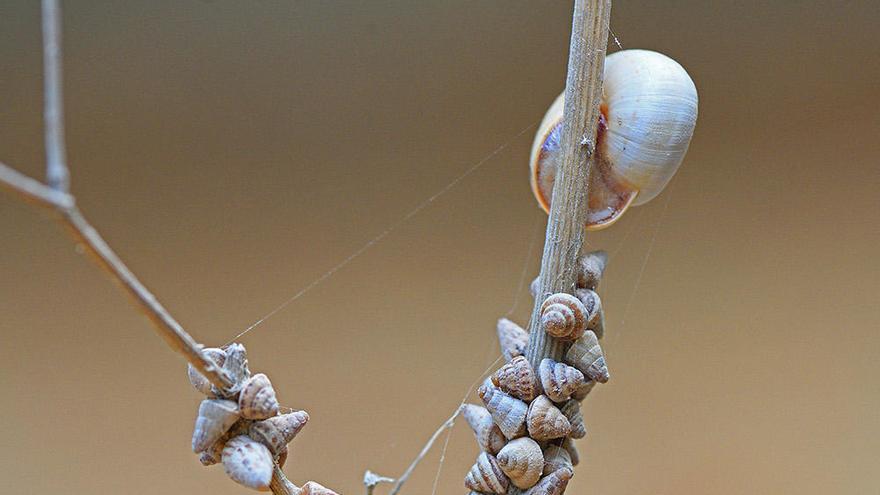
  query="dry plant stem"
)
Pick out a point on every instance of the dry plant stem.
point(280, 485)
point(57, 175)
point(406, 474)
point(568, 209)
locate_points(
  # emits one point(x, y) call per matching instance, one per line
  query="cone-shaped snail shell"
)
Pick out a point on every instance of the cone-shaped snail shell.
point(513, 339)
point(508, 412)
point(248, 462)
point(545, 421)
point(584, 390)
point(212, 455)
point(215, 418)
point(313, 488)
point(257, 399)
point(586, 355)
point(556, 458)
point(518, 379)
point(564, 316)
point(568, 445)
point(591, 267)
point(591, 301)
point(236, 365)
point(648, 114)
point(522, 461)
point(572, 411)
point(486, 476)
point(552, 484)
point(489, 436)
point(559, 380)
point(276, 432)
point(198, 381)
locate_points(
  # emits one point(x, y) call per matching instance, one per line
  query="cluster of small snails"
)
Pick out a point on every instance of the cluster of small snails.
point(243, 427)
point(529, 418)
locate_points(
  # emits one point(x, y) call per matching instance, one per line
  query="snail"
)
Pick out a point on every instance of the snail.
point(568, 446)
point(248, 462)
point(513, 339)
point(257, 399)
point(508, 412)
point(545, 421)
point(198, 381)
point(486, 476)
point(522, 461)
point(572, 411)
point(564, 316)
point(552, 484)
point(556, 458)
point(313, 488)
point(559, 380)
point(518, 379)
point(591, 267)
point(581, 393)
point(276, 432)
point(647, 117)
point(586, 355)
point(215, 418)
point(489, 436)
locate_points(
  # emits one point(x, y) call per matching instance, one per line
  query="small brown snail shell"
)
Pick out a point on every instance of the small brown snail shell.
point(591, 267)
point(552, 484)
point(563, 316)
point(586, 355)
point(572, 411)
point(518, 379)
point(568, 445)
point(257, 399)
point(556, 458)
point(215, 418)
point(486, 476)
point(508, 412)
point(648, 114)
point(248, 462)
point(198, 381)
point(596, 318)
point(559, 380)
point(277, 431)
point(581, 393)
point(313, 488)
point(513, 339)
point(212, 455)
point(522, 461)
point(545, 421)
point(236, 366)
point(489, 436)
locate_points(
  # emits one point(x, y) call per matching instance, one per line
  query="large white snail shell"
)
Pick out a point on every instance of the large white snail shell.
point(649, 110)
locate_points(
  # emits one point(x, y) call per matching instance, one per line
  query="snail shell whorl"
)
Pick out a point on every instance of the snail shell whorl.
point(522, 461)
point(276, 432)
point(552, 484)
point(215, 418)
point(545, 421)
point(556, 458)
point(257, 399)
point(518, 379)
point(512, 338)
point(648, 115)
point(586, 355)
point(489, 436)
point(568, 445)
point(572, 411)
point(559, 380)
point(198, 381)
point(248, 462)
point(591, 267)
point(508, 412)
point(236, 366)
point(581, 393)
point(313, 488)
point(486, 476)
point(563, 316)
point(591, 301)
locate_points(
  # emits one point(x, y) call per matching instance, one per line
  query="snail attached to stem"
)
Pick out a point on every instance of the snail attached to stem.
point(648, 114)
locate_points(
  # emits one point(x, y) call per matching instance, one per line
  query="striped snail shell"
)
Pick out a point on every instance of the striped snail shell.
point(596, 318)
point(198, 381)
point(555, 458)
point(559, 380)
point(568, 445)
point(581, 393)
point(215, 418)
point(248, 462)
point(545, 421)
point(257, 399)
point(513, 339)
point(276, 432)
point(572, 411)
point(508, 412)
point(591, 267)
point(489, 436)
point(564, 316)
point(518, 379)
point(552, 484)
point(586, 355)
point(522, 461)
point(648, 115)
point(236, 366)
point(486, 476)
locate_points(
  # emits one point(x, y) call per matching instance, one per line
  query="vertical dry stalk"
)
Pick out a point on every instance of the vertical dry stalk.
point(566, 225)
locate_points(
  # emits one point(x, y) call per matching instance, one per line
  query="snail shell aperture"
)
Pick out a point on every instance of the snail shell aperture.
point(648, 114)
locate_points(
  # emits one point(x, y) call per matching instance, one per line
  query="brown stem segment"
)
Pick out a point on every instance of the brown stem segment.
point(568, 209)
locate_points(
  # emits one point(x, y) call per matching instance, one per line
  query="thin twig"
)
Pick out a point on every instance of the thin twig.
point(57, 175)
point(33, 190)
point(449, 423)
point(568, 210)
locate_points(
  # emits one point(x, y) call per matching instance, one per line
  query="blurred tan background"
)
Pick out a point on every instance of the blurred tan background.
point(234, 152)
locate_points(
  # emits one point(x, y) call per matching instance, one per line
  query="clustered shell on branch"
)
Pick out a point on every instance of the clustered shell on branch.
point(529, 418)
point(243, 428)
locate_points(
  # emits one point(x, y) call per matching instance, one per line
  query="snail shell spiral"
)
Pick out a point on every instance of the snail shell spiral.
point(486, 476)
point(248, 462)
point(489, 436)
point(215, 418)
point(586, 355)
point(559, 380)
point(522, 461)
point(276, 432)
point(508, 412)
point(257, 399)
point(518, 379)
point(545, 421)
point(513, 339)
point(564, 316)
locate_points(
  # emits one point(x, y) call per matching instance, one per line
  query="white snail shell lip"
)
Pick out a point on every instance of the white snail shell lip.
point(648, 114)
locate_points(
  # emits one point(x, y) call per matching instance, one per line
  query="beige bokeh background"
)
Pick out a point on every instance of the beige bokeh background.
point(234, 152)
